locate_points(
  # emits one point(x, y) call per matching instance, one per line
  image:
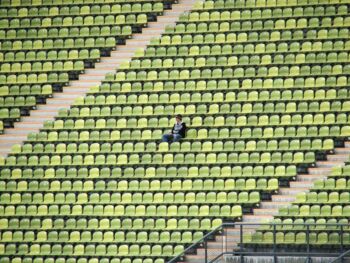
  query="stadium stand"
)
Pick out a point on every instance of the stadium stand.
point(326, 203)
point(45, 44)
point(263, 87)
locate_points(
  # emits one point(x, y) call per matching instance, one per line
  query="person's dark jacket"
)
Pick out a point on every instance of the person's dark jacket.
point(182, 131)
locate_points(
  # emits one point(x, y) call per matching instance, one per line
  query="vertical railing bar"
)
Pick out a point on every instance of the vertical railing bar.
point(308, 243)
point(274, 244)
point(241, 241)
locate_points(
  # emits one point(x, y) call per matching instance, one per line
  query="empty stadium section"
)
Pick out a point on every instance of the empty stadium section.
point(263, 87)
point(47, 43)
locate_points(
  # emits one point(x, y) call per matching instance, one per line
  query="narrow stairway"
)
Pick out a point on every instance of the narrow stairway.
point(228, 240)
point(90, 78)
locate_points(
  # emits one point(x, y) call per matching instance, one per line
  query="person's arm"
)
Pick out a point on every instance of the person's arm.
point(172, 130)
point(183, 130)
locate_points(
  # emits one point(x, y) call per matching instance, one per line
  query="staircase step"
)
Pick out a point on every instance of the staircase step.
point(319, 170)
point(338, 157)
point(265, 211)
point(342, 150)
point(255, 218)
point(329, 164)
point(273, 205)
point(293, 191)
point(300, 184)
point(282, 198)
point(308, 177)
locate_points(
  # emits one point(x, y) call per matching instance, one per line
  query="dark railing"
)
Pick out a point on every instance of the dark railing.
point(341, 257)
point(241, 248)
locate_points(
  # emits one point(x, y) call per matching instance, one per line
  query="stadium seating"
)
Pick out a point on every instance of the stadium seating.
point(47, 43)
point(324, 206)
point(263, 87)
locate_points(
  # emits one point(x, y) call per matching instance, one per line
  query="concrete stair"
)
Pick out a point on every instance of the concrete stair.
point(268, 209)
point(90, 78)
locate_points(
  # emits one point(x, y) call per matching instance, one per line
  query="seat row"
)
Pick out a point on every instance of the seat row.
point(208, 146)
point(307, 96)
point(336, 211)
point(246, 48)
point(283, 85)
point(266, 112)
point(74, 20)
point(38, 66)
point(52, 55)
point(34, 78)
point(211, 61)
point(10, 113)
point(220, 120)
point(39, 3)
point(341, 170)
point(202, 134)
point(153, 211)
point(59, 43)
point(89, 259)
point(299, 238)
point(106, 8)
point(80, 251)
point(106, 236)
point(126, 188)
point(165, 159)
point(17, 101)
point(298, 224)
point(325, 197)
point(330, 184)
point(277, 12)
point(259, 24)
point(232, 73)
point(221, 4)
point(135, 184)
point(45, 90)
point(82, 223)
point(138, 198)
point(205, 172)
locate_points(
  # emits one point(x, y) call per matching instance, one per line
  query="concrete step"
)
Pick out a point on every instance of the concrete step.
point(308, 177)
point(100, 71)
point(342, 150)
point(319, 170)
point(85, 83)
point(50, 107)
point(283, 198)
point(273, 205)
point(300, 184)
point(338, 157)
point(329, 164)
point(256, 218)
point(265, 211)
point(292, 191)
point(97, 76)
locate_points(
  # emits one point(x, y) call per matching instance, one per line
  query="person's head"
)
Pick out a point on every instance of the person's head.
point(178, 118)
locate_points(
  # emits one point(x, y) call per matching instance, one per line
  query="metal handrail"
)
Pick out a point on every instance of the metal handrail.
point(205, 237)
point(341, 256)
point(196, 243)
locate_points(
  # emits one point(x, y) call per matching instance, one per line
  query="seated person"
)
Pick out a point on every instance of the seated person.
point(177, 133)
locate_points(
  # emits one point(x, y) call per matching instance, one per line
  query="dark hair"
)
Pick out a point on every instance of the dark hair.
point(179, 116)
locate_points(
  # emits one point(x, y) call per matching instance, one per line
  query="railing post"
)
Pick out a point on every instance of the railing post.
point(274, 244)
point(341, 242)
point(205, 251)
point(241, 241)
point(308, 242)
